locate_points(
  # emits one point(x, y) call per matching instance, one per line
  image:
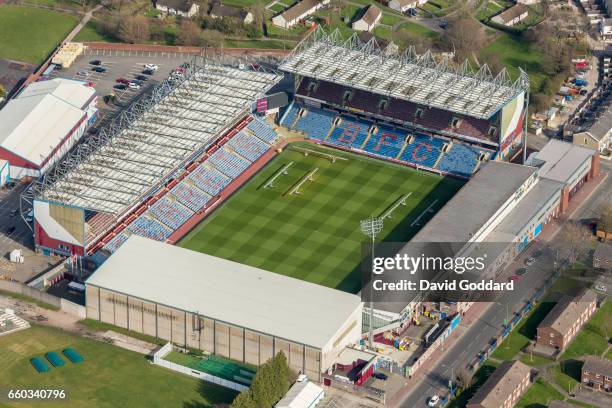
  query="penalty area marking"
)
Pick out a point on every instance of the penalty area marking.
point(415, 222)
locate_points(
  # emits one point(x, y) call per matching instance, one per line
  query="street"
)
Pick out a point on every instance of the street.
point(473, 339)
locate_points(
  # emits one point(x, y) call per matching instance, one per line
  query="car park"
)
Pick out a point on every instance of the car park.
point(152, 67)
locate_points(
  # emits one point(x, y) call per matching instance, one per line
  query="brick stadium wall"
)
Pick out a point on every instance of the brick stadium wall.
point(184, 49)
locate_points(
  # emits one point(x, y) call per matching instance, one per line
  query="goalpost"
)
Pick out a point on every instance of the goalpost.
point(397, 203)
point(283, 171)
point(307, 177)
point(329, 156)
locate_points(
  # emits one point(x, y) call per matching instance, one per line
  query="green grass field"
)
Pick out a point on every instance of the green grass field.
point(315, 236)
point(593, 337)
point(29, 35)
point(109, 377)
point(540, 394)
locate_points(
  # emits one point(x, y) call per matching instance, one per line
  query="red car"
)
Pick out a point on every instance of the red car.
point(513, 278)
point(122, 81)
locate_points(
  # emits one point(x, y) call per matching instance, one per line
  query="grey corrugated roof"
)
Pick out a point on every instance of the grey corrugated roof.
point(602, 126)
point(562, 159)
point(238, 294)
point(475, 203)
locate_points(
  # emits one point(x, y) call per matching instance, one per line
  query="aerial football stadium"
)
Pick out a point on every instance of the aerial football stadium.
point(250, 202)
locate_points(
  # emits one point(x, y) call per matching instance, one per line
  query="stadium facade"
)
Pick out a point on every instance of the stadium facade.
point(413, 109)
point(41, 124)
point(223, 307)
point(162, 162)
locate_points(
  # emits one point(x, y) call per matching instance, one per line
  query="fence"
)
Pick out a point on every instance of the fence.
point(171, 49)
point(54, 301)
point(158, 359)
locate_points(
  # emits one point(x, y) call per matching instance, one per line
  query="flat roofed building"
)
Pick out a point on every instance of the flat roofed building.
point(297, 12)
point(504, 387)
point(597, 373)
point(565, 320)
point(43, 122)
point(233, 310)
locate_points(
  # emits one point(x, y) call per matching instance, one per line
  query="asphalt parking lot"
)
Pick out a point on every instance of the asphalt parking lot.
point(123, 65)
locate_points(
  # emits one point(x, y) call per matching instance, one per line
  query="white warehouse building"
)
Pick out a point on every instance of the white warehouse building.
point(223, 307)
point(42, 123)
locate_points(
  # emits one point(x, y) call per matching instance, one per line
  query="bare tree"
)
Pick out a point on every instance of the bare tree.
point(464, 34)
point(605, 217)
point(574, 241)
point(212, 38)
point(465, 378)
point(404, 39)
point(134, 29)
point(189, 33)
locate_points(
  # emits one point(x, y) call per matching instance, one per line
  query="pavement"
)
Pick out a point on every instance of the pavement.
point(484, 320)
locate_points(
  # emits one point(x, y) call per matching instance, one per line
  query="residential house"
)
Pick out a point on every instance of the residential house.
point(599, 135)
point(512, 16)
point(405, 5)
point(370, 16)
point(565, 320)
point(504, 387)
point(597, 373)
point(298, 12)
point(183, 8)
point(220, 10)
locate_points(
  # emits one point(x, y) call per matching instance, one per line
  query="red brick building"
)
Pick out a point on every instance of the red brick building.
point(597, 373)
point(564, 321)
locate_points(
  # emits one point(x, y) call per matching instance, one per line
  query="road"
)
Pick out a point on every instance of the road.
point(474, 338)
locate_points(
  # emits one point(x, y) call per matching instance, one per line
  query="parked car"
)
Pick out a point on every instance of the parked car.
point(600, 287)
point(137, 81)
point(120, 87)
point(583, 92)
point(13, 213)
point(380, 376)
point(141, 77)
point(521, 271)
point(84, 73)
point(122, 81)
point(134, 85)
point(10, 230)
point(530, 261)
point(513, 278)
point(148, 72)
point(99, 69)
point(95, 62)
point(152, 67)
point(30, 216)
point(433, 401)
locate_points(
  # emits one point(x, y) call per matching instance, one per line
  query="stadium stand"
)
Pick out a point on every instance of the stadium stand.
point(387, 142)
point(227, 163)
point(116, 242)
point(460, 159)
point(291, 115)
point(423, 150)
point(208, 180)
point(251, 148)
point(315, 123)
point(349, 133)
point(170, 212)
point(149, 228)
point(262, 130)
point(190, 195)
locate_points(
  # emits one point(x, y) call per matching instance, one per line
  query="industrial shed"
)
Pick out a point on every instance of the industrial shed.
point(223, 307)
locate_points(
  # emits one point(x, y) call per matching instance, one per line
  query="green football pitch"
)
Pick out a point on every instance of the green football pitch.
point(315, 235)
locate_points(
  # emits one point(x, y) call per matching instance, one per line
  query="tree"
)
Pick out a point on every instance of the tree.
point(464, 34)
point(574, 241)
point(404, 39)
point(211, 38)
point(494, 62)
point(605, 216)
point(189, 33)
point(465, 378)
point(2, 91)
point(134, 29)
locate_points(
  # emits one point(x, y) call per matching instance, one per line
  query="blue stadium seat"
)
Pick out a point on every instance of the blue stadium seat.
point(386, 142)
point(460, 160)
point(228, 163)
point(148, 228)
point(247, 146)
point(208, 180)
point(316, 123)
point(262, 130)
point(290, 116)
point(171, 213)
point(190, 196)
point(424, 150)
point(116, 242)
point(349, 133)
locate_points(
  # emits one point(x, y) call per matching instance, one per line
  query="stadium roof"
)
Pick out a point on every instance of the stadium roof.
point(418, 79)
point(475, 203)
point(34, 123)
point(152, 139)
point(560, 161)
point(238, 294)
